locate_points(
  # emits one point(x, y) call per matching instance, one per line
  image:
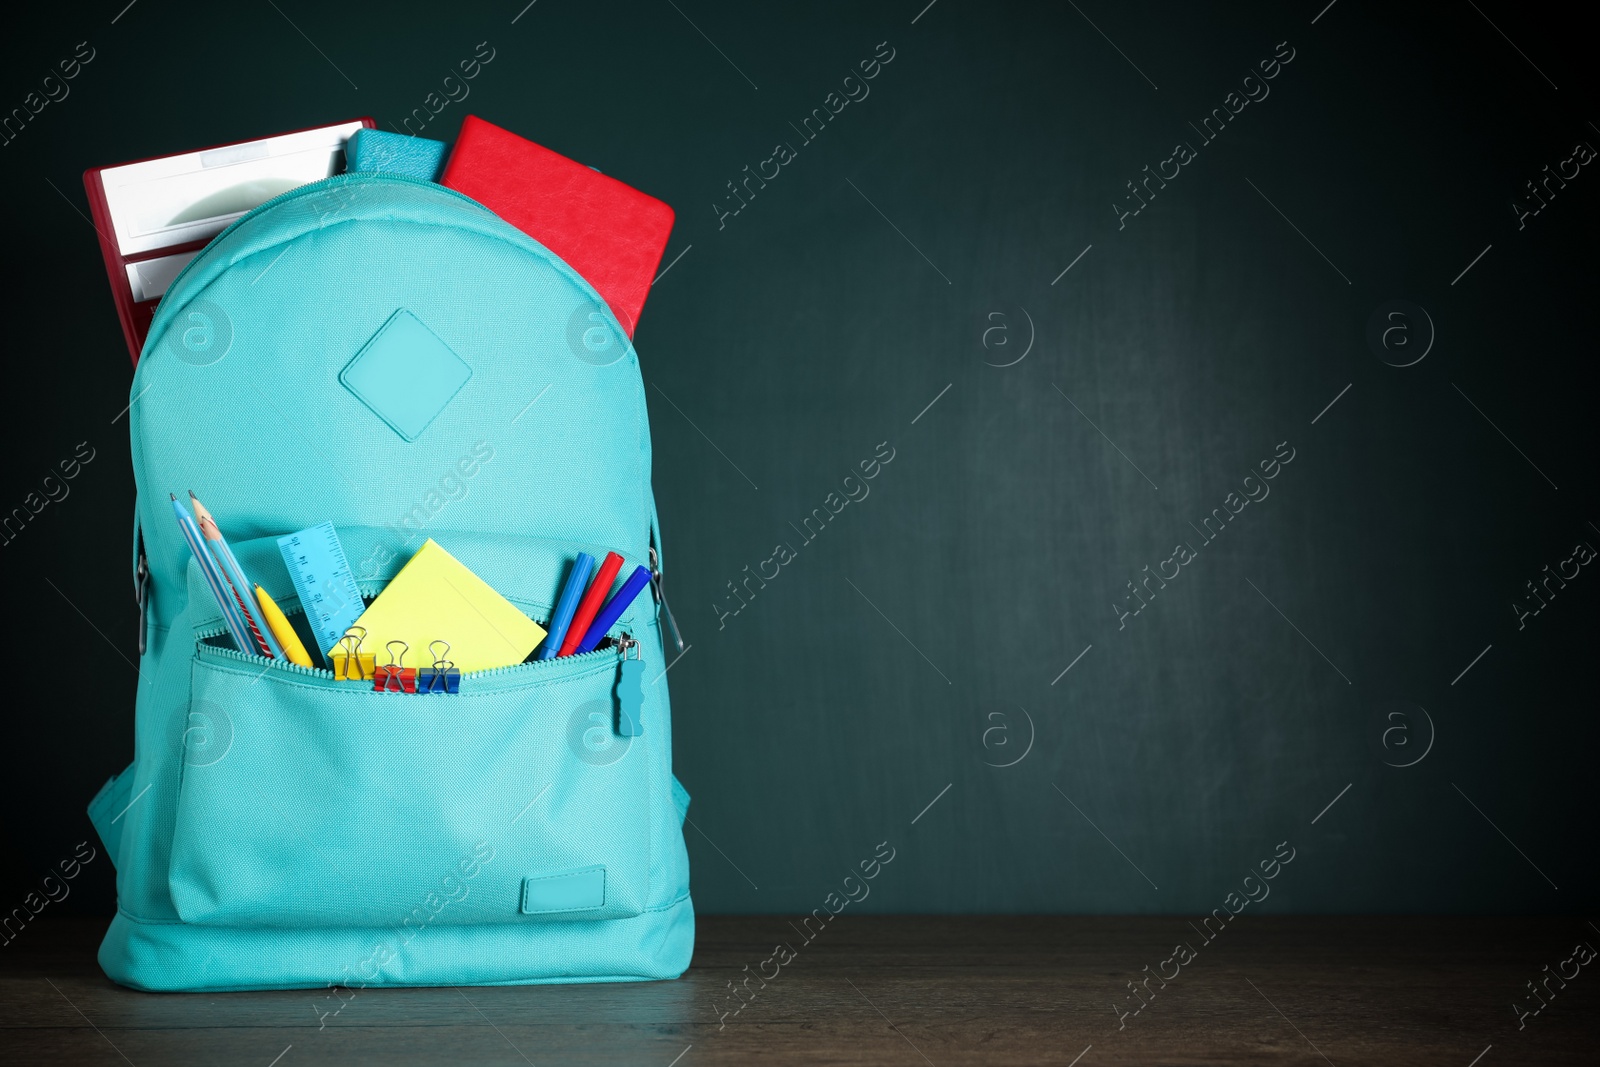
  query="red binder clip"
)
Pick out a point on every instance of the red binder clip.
point(395, 678)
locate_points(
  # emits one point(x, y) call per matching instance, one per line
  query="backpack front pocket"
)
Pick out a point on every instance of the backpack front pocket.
point(310, 802)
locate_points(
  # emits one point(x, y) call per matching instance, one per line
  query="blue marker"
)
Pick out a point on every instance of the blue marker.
point(570, 595)
point(614, 608)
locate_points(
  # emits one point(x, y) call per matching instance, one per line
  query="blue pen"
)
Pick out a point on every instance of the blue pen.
point(570, 595)
point(208, 568)
point(614, 608)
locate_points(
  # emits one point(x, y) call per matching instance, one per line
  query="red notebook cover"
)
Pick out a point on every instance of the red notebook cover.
point(610, 233)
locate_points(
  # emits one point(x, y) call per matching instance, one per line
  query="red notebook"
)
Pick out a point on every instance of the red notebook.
point(610, 233)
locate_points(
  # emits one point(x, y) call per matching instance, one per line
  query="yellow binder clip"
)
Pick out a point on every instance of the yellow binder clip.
point(350, 664)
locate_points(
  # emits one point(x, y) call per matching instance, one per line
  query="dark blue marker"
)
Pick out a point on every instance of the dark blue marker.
point(614, 608)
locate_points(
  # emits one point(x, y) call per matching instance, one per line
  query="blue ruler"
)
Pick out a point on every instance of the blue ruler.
point(324, 582)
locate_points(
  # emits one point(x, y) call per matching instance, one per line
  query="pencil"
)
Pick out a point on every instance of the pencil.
point(214, 579)
point(228, 564)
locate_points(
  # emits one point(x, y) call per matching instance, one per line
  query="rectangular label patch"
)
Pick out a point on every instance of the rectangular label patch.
point(581, 890)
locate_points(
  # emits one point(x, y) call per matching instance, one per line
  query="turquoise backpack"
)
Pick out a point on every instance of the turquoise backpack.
point(280, 829)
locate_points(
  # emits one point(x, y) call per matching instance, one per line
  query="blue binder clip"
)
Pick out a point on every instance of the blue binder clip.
point(442, 677)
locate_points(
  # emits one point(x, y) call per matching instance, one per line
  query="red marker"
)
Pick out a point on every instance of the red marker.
point(591, 603)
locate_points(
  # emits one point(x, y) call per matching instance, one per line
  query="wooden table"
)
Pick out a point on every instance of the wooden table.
point(903, 990)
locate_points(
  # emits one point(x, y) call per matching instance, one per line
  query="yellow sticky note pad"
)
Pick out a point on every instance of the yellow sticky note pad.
point(436, 598)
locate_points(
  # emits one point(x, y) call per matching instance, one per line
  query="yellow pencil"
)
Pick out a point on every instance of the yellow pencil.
point(282, 630)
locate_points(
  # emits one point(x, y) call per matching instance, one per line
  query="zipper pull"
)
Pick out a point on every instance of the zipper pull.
point(661, 598)
point(142, 591)
point(630, 688)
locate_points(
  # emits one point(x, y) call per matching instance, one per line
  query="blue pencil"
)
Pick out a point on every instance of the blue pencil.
point(577, 579)
point(208, 568)
point(614, 608)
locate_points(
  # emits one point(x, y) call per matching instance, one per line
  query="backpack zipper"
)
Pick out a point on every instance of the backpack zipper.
point(141, 592)
point(629, 688)
point(613, 648)
point(661, 598)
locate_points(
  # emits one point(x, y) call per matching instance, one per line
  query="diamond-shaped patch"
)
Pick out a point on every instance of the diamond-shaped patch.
point(405, 374)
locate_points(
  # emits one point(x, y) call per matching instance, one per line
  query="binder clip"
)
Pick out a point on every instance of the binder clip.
point(442, 677)
point(395, 677)
point(350, 664)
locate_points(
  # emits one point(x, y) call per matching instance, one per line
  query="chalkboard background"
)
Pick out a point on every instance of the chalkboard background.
point(1053, 392)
